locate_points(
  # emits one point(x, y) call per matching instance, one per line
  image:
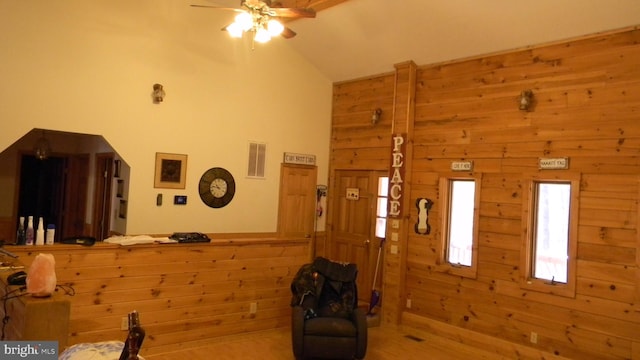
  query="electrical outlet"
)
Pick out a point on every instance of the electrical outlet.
point(253, 308)
point(534, 337)
point(124, 323)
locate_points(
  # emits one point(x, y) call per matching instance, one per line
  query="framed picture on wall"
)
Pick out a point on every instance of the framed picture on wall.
point(171, 171)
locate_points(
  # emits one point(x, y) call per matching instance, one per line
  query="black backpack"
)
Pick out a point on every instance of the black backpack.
point(325, 288)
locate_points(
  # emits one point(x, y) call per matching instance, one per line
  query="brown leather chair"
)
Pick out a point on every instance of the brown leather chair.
point(326, 322)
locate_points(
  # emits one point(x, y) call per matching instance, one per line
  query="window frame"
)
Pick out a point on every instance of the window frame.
point(445, 204)
point(527, 253)
point(379, 196)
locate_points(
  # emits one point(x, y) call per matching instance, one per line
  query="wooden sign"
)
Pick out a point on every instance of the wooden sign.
point(396, 176)
point(300, 159)
point(553, 163)
point(353, 194)
point(462, 166)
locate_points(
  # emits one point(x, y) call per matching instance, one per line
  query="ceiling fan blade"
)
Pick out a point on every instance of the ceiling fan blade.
point(215, 7)
point(293, 12)
point(287, 33)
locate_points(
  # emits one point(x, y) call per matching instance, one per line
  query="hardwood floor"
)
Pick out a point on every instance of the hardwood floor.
point(383, 343)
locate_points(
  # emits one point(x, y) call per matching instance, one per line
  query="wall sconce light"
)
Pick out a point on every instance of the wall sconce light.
point(375, 116)
point(158, 93)
point(526, 100)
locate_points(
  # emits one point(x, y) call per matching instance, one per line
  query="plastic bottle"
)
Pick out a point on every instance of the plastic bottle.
point(51, 233)
point(30, 232)
point(40, 232)
point(22, 235)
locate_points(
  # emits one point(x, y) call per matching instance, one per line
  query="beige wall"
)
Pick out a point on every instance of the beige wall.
point(89, 67)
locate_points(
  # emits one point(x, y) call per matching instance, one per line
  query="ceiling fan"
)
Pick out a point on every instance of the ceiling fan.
point(260, 18)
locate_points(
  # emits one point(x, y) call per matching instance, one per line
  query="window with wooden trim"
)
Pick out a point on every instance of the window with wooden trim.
point(381, 206)
point(460, 198)
point(551, 235)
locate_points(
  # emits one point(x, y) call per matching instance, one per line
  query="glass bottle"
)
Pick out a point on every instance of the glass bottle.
point(134, 338)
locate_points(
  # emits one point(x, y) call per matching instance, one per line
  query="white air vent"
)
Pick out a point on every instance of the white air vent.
point(257, 155)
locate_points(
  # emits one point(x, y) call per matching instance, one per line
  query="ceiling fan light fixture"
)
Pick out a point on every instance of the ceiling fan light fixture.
point(261, 20)
point(274, 27)
point(235, 30)
point(262, 35)
point(245, 21)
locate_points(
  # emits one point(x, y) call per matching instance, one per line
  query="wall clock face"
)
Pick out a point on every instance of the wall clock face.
point(217, 187)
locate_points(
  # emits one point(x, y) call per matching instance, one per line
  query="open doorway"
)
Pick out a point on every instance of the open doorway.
point(62, 186)
point(56, 190)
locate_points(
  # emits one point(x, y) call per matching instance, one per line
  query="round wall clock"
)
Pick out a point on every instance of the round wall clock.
point(217, 187)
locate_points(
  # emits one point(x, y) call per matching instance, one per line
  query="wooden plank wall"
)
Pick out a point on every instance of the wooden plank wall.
point(356, 143)
point(185, 294)
point(587, 108)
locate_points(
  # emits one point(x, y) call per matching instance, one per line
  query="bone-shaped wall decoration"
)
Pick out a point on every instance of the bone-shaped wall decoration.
point(422, 226)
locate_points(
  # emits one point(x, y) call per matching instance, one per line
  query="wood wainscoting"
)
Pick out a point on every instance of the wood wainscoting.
point(186, 294)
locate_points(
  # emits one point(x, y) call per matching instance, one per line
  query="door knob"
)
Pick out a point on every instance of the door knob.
point(367, 242)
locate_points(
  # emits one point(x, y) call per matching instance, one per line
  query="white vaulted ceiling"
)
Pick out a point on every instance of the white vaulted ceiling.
point(357, 38)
